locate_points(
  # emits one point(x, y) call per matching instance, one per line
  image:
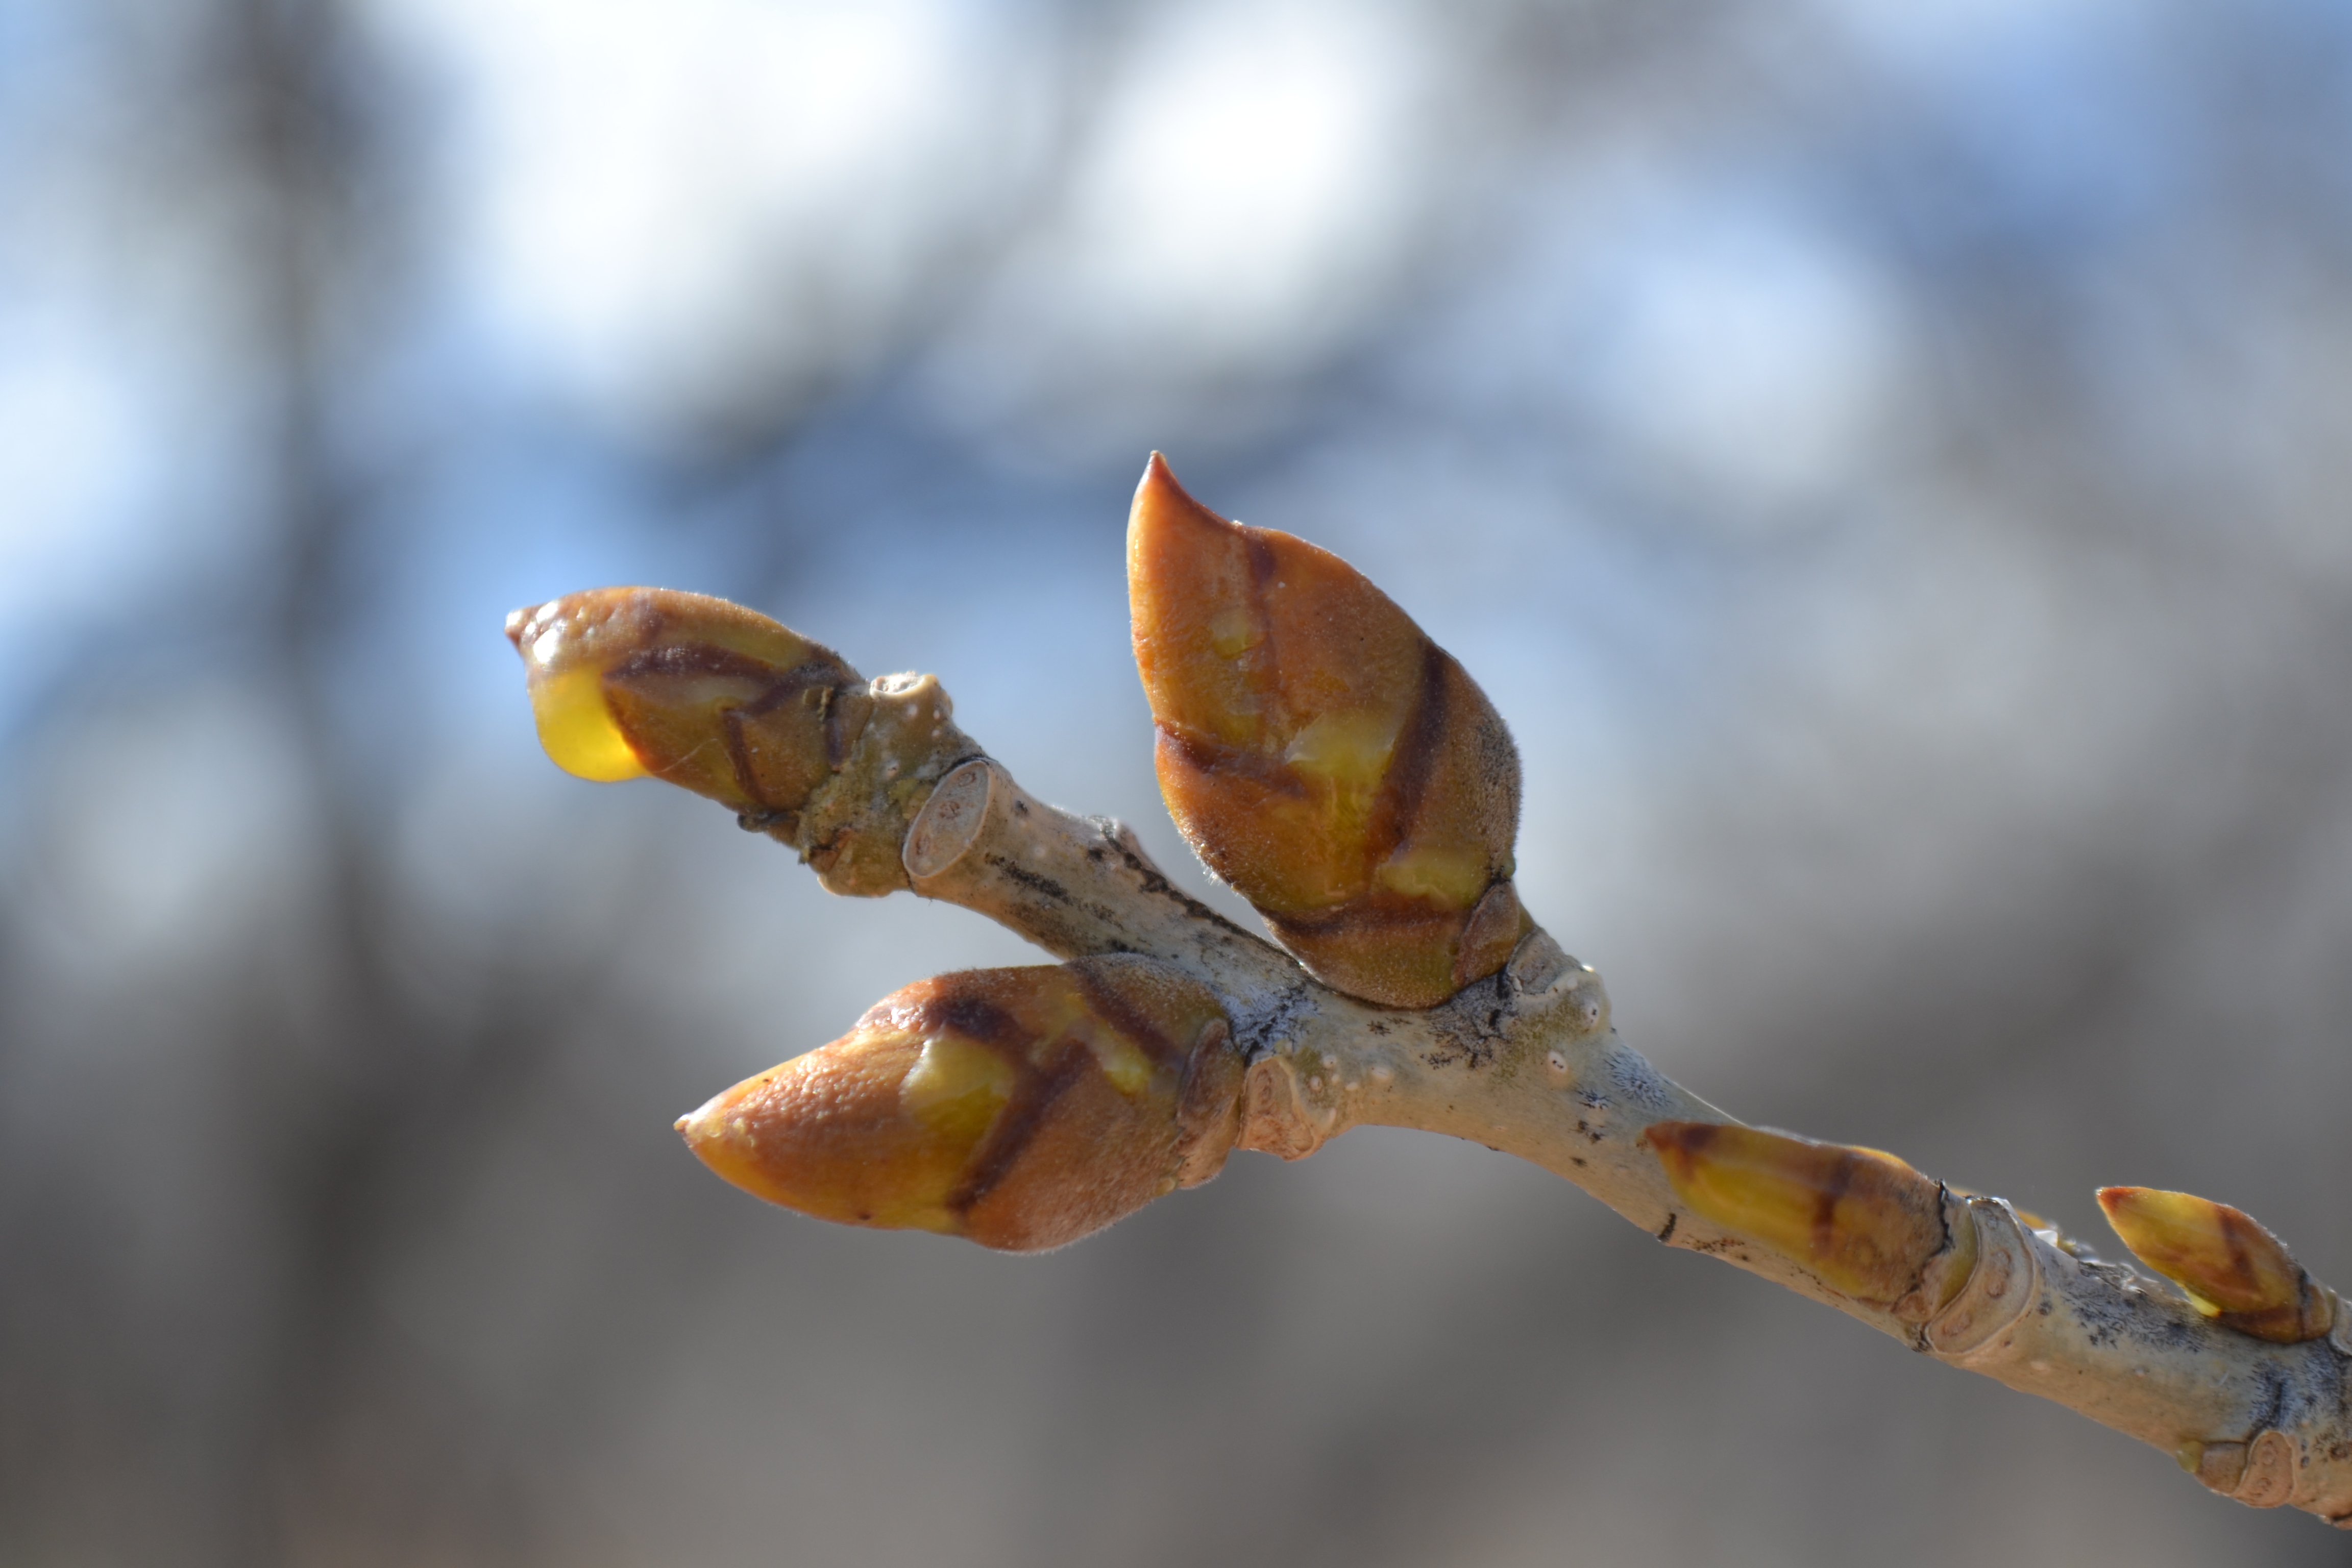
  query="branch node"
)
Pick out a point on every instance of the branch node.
point(2271, 1464)
point(1538, 964)
point(1997, 1290)
point(950, 823)
point(1273, 1120)
point(2218, 1467)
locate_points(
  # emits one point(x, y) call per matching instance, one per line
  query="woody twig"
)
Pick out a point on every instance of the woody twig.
point(1348, 778)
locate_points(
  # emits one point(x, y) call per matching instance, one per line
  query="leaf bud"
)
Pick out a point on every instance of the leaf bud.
point(1021, 1108)
point(696, 690)
point(1323, 756)
point(2232, 1268)
point(1864, 1223)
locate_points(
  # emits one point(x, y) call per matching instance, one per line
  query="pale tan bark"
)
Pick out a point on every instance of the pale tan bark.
point(1527, 1063)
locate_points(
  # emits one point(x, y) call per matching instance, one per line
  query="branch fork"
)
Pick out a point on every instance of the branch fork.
point(1348, 779)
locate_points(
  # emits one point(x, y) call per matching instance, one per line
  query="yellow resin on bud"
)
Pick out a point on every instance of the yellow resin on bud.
point(577, 729)
point(627, 682)
point(1321, 755)
point(2232, 1268)
point(1864, 1223)
point(1022, 1108)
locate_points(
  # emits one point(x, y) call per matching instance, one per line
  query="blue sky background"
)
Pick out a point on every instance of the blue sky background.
point(1886, 462)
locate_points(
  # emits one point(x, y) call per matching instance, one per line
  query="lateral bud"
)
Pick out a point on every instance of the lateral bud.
point(692, 689)
point(1020, 1108)
point(1864, 1223)
point(1323, 756)
point(2232, 1268)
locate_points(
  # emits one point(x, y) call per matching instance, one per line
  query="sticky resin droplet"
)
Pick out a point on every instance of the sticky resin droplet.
point(577, 727)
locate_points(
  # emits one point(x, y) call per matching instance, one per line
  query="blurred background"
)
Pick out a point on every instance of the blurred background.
point(1888, 462)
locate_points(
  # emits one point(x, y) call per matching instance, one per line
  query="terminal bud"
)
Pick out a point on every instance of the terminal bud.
point(1864, 1222)
point(1021, 1108)
point(2231, 1269)
point(1322, 755)
point(627, 682)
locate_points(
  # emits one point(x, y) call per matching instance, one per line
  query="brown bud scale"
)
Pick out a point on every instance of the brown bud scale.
point(2232, 1268)
point(1864, 1222)
point(1022, 1108)
point(1323, 756)
point(691, 689)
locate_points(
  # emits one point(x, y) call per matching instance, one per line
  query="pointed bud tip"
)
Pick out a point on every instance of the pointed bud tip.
point(1162, 504)
point(515, 621)
point(722, 1134)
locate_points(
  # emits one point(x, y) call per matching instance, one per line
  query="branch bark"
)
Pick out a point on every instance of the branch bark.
point(1350, 780)
point(1526, 1061)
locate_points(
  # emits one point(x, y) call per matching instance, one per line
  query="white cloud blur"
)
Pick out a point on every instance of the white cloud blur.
point(653, 193)
point(1248, 189)
point(112, 482)
point(659, 201)
point(71, 441)
point(1748, 351)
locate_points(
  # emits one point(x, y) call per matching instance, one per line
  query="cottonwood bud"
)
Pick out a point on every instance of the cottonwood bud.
point(1864, 1223)
point(1022, 1108)
point(1322, 755)
point(2232, 1269)
point(693, 689)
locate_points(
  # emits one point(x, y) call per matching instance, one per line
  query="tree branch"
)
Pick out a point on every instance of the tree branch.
point(1526, 1062)
point(1347, 777)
